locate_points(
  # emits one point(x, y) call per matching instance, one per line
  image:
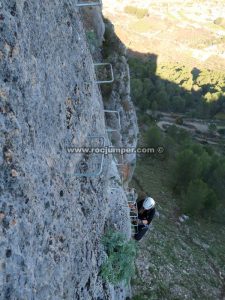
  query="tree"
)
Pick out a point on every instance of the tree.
point(217, 177)
point(154, 106)
point(148, 86)
point(220, 21)
point(137, 88)
point(178, 104)
point(162, 100)
point(197, 197)
point(212, 127)
point(179, 121)
point(169, 146)
point(154, 137)
point(211, 201)
point(212, 97)
point(180, 135)
point(188, 168)
point(173, 131)
point(143, 103)
point(206, 162)
point(197, 149)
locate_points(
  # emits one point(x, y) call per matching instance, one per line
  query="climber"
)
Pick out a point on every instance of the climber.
point(146, 212)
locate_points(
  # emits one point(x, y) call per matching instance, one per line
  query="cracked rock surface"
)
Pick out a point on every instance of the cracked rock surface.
point(51, 222)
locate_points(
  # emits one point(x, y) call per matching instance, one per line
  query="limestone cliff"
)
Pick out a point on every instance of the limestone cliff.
point(51, 221)
point(109, 48)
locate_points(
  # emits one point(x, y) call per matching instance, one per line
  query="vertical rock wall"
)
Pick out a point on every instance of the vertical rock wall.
point(51, 221)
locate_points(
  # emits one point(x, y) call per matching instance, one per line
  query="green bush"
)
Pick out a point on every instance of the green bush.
point(130, 10)
point(119, 265)
point(188, 168)
point(199, 178)
point(179, 135)
point(154, 137)
point(199, 197)
point(140, 13)
point(179, 121)
point(221, 131)
point(220, 21)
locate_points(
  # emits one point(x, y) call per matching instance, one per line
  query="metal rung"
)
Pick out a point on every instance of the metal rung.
point(97, 173)
point(134, 217)
point(134, 225)
point(118, 116)
point(86, 3)
point(130, 190)
point(133, 208)
point(111, 69)
point(133, 202)
point(133, 214)
point(111, 130)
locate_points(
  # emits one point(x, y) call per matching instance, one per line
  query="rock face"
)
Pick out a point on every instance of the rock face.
point(120, 101)
point(116, 97)
point(51, 222)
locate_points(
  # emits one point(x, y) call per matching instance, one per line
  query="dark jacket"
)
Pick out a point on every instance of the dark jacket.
point(147, 214)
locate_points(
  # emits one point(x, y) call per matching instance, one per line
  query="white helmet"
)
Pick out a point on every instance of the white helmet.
point(149, 203)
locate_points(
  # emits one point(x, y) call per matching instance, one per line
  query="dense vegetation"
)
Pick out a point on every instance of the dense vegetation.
point(119, 265)
point(197, 172)
point(197, 93)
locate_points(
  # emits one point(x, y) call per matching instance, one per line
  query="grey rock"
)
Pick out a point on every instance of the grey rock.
point(94, 17)
point(183, 218)
point(157, 214)
point(53, 221)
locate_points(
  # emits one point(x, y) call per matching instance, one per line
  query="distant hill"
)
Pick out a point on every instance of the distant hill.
point(191, 32)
